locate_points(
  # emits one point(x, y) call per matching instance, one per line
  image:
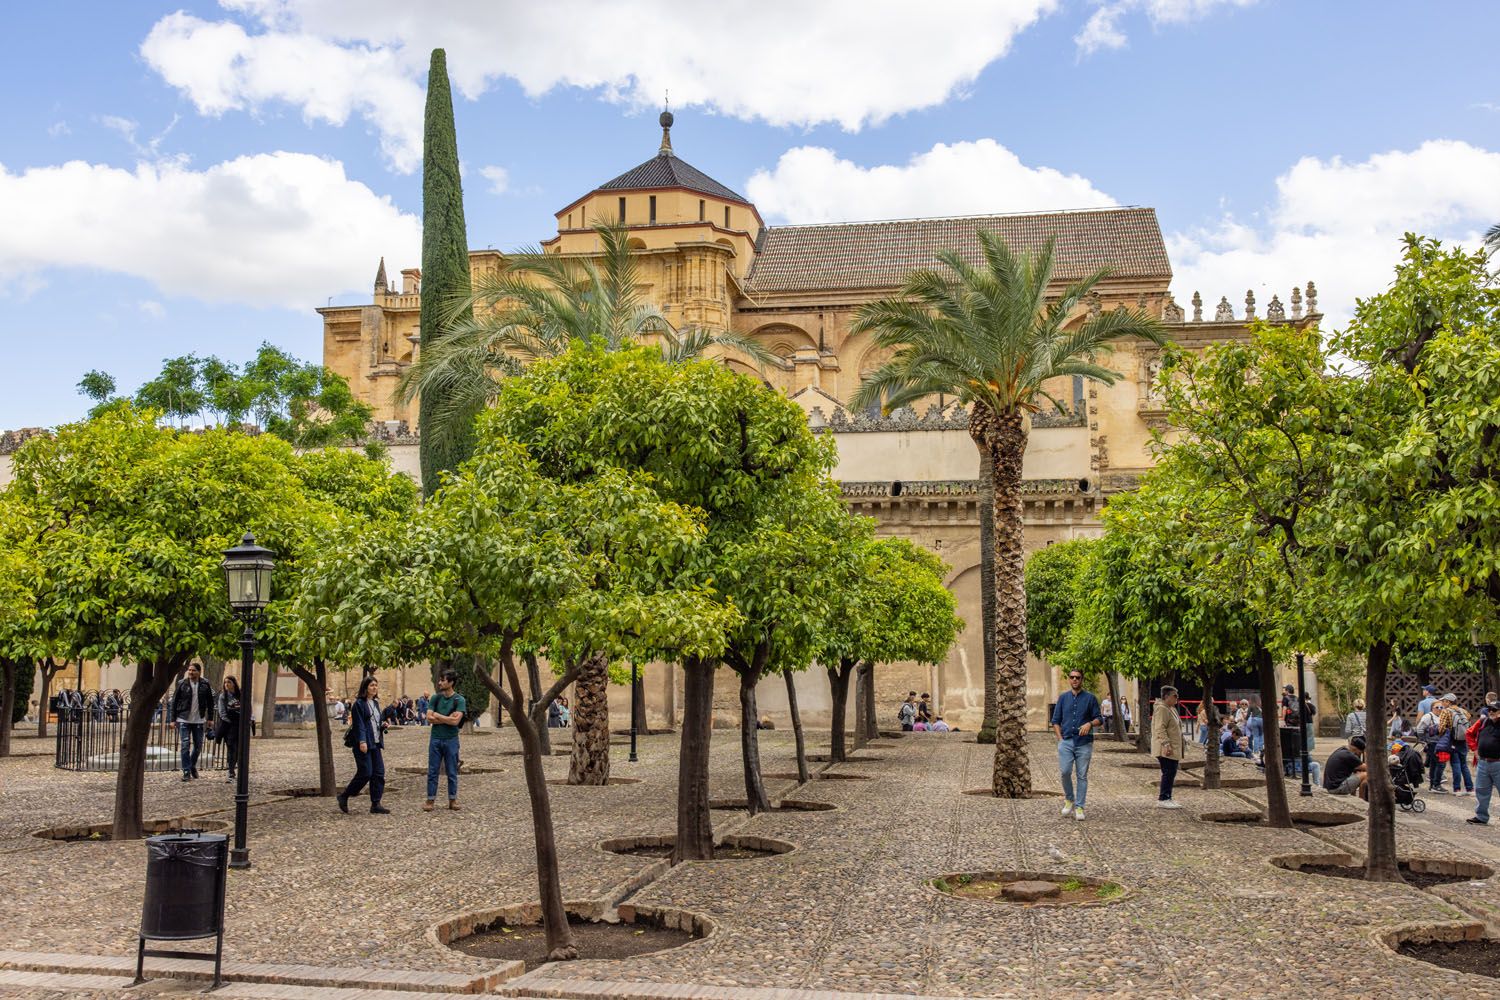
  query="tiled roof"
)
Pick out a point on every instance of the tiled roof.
point(667, 170)
point(881, 254)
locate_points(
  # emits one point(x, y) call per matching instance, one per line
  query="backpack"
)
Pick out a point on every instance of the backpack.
point(906, 713)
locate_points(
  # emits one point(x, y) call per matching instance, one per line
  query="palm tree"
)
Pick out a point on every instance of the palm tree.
point(1492, 238)
point(537, 307)
point(991, 335)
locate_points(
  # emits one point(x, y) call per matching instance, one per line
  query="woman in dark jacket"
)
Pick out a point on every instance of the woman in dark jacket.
point(227, 711)
point(369, 745)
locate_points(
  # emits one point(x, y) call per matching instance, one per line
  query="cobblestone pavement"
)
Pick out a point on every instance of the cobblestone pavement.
point(1206, 915)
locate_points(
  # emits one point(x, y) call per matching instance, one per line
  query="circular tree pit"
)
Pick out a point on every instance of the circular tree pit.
point(785, 805)
point(97, 832)
point(464, 770)
point(1299, 818)
point(515, 933)
point(1028, 889)
point(817, 776)
point(731, 848)
point(1456, 945)
point(1036, 793)
point(1422, 873)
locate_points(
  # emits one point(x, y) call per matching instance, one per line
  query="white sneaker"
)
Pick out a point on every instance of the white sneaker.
point(1078, 813)
point(1067, 809)
point(1167, 804)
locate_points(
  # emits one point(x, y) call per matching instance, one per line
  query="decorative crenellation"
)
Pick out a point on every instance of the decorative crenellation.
point(965, 488)
point(937, 418)
point(1276, 312)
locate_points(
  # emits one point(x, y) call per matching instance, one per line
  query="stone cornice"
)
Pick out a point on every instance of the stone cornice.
point(950, 418)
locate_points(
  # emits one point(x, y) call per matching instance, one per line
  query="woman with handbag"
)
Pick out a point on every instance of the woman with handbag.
point(227, 729)
point(366, 737)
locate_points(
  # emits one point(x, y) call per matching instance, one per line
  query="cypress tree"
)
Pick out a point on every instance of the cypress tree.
point(445, 269)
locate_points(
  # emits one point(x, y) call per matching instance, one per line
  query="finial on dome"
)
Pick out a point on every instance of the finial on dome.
point(666, 128)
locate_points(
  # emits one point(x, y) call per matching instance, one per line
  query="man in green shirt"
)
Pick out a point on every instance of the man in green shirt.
point(446, 713)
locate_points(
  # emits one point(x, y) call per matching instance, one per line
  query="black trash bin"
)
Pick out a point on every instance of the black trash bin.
point(1291, 748)
point(185, 875)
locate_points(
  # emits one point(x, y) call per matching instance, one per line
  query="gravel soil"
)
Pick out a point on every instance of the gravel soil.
point(597, 940)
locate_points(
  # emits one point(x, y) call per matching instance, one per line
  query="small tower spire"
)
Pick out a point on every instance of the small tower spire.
point(381, 286)
point(666, 134)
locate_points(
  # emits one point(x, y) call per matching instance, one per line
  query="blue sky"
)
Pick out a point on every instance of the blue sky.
point(200, 178)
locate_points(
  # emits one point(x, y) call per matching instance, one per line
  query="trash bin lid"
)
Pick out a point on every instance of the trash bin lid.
point(187, 836)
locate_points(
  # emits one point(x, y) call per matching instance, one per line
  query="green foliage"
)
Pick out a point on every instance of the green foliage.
point(991, 334)
point(1342, 675)
point(445, 273)
point(476, 695)
point(890, 603)
point(1050, 593)
point(129, 522)
point(304, 404)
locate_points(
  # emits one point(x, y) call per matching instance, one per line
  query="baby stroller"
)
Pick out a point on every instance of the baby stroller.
point(1406, 794)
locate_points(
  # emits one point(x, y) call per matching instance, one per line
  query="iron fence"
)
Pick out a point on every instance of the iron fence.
point(91, 727)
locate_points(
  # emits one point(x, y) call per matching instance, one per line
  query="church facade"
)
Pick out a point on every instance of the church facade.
point(709, 260)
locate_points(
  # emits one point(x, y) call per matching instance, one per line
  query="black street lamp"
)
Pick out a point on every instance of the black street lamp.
point(247, 583)
point(1486, 654)
point(634, 722)
point(1302, 726)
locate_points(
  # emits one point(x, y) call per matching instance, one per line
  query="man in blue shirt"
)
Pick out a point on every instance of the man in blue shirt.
point(1074, 719)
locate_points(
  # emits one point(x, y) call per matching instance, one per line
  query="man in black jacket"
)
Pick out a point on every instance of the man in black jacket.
point(1487, 766)
point(192, 708)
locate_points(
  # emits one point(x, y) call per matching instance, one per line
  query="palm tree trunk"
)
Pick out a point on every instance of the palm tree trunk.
point(590, 763)
point(987, 594)
point(1005, 437)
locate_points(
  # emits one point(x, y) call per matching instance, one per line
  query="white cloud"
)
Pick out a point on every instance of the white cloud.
point(498, 177)
point(152, 308)
point(813, 184)
point(57, 129)
point(276, 229)
point(849, 62)
point(1340, 225)
point(1103, 31)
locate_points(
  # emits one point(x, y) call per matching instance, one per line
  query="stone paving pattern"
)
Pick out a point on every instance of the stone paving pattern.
point(848, 911)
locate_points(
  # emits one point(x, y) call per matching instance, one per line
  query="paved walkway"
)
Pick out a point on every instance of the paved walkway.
point(848, 912)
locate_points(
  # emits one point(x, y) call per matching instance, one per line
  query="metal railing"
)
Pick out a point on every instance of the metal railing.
point(90, 730)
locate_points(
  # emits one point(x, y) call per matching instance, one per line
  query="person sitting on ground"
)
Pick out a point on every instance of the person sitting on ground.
point(1344, 773)
point(939, 726)
point(1232, 744)
point(920, 726)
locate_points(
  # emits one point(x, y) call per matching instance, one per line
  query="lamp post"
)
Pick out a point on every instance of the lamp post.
point(634, 722)
point(247, 584)
point(1486, 655)
point(1302, 725)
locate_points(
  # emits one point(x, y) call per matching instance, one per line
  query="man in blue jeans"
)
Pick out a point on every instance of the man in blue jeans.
point(1074, 719)
point(1487, 765)
point(446, 713)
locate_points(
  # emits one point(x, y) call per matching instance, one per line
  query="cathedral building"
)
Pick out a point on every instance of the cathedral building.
point(708, 259)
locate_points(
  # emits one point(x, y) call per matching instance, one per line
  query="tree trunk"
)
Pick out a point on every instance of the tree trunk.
point(8, 670)
point(1117, 721)
point(267, 703)
point(872, 717)
point(755, 788)
point(1005, 436)
point(213, 671)
point(317, 685)
point(669, 693)
point(48, 671)
point(791, 701)
point(152, 681)
point(638, 703)
point(1143, 709)
point(695, 832)
point(838, 682)
point(590, 764)
point(538, 711)
point(555, 926)
point(1278, 812)
point(861, 706)
point(1211, 772)
point(1380, 848)
point(987, 593)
